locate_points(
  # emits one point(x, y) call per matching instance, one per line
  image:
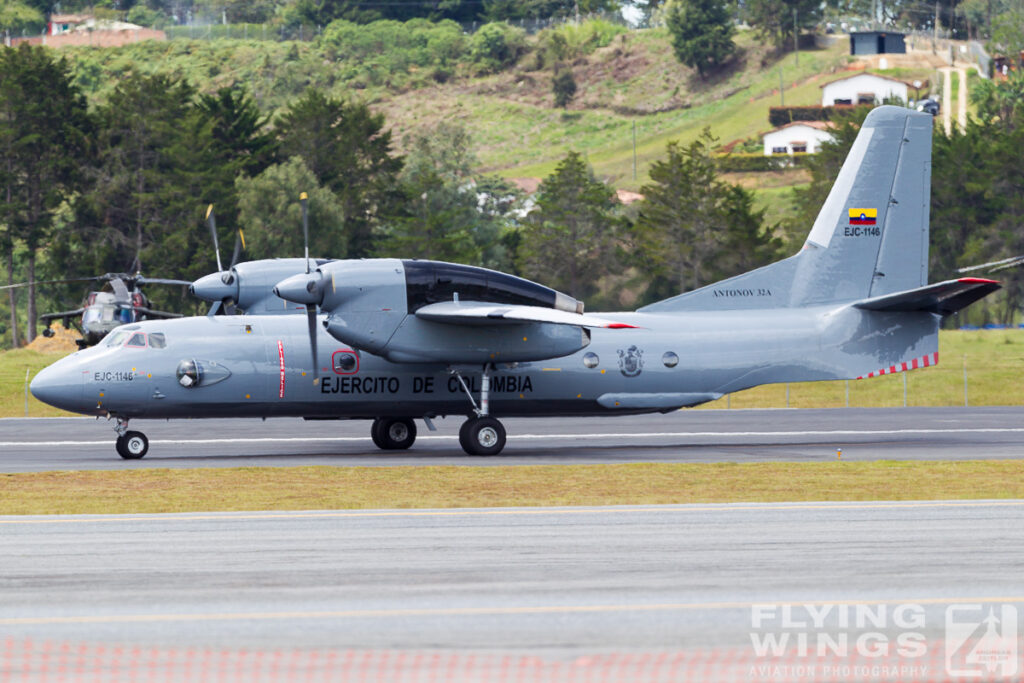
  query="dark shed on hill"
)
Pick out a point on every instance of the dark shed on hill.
point(876, 43)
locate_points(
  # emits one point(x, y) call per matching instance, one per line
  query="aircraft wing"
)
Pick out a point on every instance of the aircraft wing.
point(943, 298)
point(479, 313)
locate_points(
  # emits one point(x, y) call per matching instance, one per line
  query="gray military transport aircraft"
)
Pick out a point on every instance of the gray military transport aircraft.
point(394, 340)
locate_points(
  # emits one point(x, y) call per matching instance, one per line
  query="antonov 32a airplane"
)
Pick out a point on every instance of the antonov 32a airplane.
point(394, 340)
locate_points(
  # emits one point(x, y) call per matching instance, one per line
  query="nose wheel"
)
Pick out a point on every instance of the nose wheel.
point(130, 445)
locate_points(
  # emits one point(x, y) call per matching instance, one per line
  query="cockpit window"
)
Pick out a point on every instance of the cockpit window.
point(138, 340)
point(117, 337)
point(157, 340)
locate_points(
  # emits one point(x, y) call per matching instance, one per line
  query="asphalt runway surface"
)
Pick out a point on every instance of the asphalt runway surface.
point(682, 436)
point(553, 583)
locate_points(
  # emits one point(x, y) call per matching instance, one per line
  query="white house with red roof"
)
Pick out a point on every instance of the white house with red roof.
point(863, 88)
point(799, 136)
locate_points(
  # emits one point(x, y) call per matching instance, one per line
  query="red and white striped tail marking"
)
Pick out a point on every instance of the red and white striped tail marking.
point(922, 362)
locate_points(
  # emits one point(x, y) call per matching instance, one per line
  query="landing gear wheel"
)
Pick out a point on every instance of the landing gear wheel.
point(482, 436)
point(375, 433)
point(393, 433)
point(132, 446)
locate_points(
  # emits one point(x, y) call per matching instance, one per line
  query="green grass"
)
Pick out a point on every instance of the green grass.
point(954, 94)
point(13, 366)
point(340, 488)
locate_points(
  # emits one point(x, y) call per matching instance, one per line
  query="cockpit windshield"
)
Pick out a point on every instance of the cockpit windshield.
point(117, 337)
point(131, 338)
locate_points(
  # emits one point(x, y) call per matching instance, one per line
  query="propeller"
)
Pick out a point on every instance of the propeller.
point(311, 308)
point(212, 222)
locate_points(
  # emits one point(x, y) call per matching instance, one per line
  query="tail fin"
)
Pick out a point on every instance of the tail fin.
point(869, 240)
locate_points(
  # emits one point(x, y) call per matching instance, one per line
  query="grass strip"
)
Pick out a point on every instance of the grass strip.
point(340, 488)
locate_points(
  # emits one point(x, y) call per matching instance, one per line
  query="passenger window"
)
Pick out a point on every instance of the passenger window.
point(157, 340)
point(138, 340)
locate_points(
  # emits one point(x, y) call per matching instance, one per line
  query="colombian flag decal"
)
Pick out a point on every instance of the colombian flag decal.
point(863, 216)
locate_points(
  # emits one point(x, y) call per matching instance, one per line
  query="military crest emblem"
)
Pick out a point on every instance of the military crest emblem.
point(631, 361)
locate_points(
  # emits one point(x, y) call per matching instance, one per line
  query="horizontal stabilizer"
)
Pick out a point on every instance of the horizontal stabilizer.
point(479, 313)
point(943, 298)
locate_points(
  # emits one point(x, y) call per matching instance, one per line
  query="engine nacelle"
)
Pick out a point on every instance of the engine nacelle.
point(371, 305)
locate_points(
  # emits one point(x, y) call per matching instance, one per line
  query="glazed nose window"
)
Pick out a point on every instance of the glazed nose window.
point(188, 373)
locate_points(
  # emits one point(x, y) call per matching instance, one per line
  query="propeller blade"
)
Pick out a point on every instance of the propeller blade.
point(214, 308)
point(311, 319)
point(211, 221)
point(304, 201)
point(239, 245)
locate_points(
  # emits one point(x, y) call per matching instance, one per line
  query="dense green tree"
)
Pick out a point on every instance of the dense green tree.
point(564, 86)
point(692, 228)
point(449, 213)
point(702, 32)
point(14, 16)
point(774, 19)
point(568, 239)
point(347, 148)
point(44, 133)
point(155, 171)
point(271, 215)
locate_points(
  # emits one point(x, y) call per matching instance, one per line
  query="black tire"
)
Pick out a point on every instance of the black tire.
point(482, 436)
point(396, 433)
point(375, 433)
point(132, 446)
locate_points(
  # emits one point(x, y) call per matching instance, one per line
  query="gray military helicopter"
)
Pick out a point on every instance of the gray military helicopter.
point(103, 311)
point(397, 340)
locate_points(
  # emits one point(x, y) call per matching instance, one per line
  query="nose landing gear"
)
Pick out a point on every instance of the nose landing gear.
point(130, 445)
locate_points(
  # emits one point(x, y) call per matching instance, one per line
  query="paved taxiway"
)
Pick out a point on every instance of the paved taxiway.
point(684, 436)
point(557, 581)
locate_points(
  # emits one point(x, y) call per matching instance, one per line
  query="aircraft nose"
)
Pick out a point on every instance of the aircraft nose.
point(60, 386)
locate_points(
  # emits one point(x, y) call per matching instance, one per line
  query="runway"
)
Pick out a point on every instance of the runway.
point(551, 583)
point(682, 436)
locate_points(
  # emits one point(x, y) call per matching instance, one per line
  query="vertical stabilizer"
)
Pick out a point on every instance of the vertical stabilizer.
point(870, 238)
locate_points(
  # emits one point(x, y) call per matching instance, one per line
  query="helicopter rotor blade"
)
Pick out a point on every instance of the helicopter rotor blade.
point(160, 281)
point(16, 285)
point(212, 222)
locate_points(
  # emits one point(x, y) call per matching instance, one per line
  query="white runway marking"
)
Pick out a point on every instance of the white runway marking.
point(523, 437)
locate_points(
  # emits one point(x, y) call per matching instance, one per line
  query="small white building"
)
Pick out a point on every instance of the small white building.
point(799, 136)
point(863, 88)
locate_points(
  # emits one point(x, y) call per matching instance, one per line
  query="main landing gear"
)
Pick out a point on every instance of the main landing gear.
point(481, 434)
point(393, 433)
point(130, 445)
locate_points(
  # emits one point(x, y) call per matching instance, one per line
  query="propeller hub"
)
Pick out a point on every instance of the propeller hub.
point(302, 289)
point(216, 287)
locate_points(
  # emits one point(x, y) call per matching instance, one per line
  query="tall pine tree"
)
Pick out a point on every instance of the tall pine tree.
point(702, 32)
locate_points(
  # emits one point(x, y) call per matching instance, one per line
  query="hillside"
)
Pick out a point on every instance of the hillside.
point(517, 130)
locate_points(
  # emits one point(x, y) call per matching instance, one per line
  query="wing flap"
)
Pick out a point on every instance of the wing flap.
point(480, 313)
point(943, 298)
